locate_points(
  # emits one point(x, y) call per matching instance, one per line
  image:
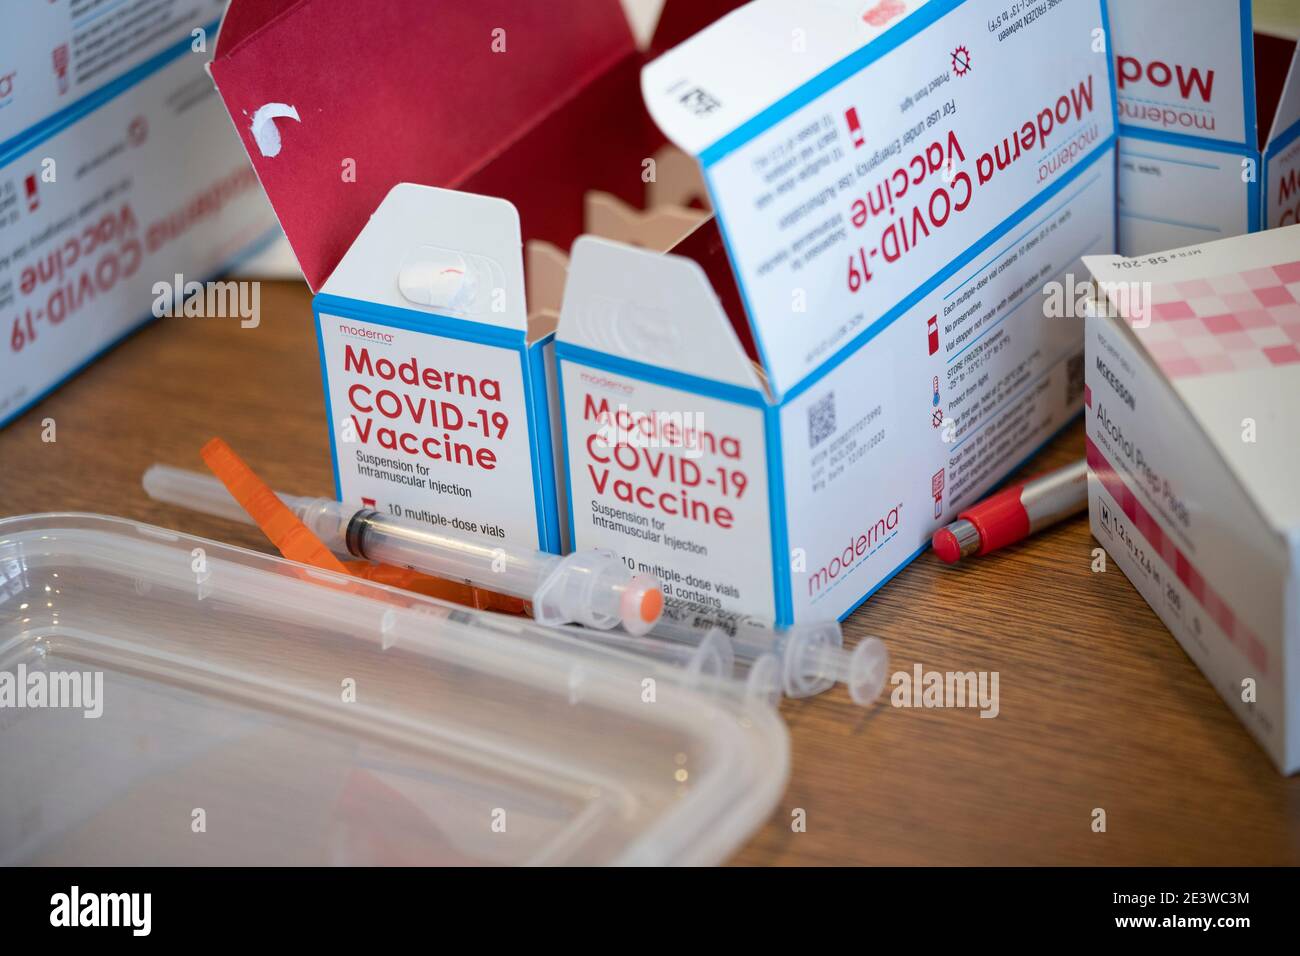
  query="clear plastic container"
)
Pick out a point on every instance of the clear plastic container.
point(302, 717)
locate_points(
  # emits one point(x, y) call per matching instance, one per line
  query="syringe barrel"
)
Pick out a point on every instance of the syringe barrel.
point(711, 659)
point(798, 647)
point(587, 587)
point(391, 540)
point(593, 588)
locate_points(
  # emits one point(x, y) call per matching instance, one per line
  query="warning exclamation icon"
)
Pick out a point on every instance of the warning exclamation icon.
point(855, 127)
point(32, 199)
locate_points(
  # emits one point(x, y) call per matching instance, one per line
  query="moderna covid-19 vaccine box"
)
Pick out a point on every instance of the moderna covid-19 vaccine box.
point(1209, 123)
point(776, 415)
point(1193, 451)
point(118, 174)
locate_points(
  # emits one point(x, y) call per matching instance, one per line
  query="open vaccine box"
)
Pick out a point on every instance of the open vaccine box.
point(1209, 123)
point(1193, 450)
point(441, 148)
point(774, 417)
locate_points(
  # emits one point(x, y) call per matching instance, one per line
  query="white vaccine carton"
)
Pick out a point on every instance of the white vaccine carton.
point(1209, 123)
point(1193, 451)
point(118, 171)
point(776, 416)
point(437, 388)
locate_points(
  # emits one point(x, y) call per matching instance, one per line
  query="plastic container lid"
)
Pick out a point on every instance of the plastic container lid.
point(255, 711)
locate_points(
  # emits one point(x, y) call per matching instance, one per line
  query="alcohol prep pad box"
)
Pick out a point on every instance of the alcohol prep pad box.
point(775, 417)
point(118, 173)
point(1193, 373)
point(406, 182)
point(1209, 123)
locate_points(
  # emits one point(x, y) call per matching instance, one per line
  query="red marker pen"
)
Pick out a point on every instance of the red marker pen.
point(1014, 513)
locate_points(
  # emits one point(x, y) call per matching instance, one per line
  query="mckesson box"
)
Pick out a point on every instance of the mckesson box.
point(1209, 123)
point(117, 171)
point(437, 366)
point(1193, 451)
point(775, 417)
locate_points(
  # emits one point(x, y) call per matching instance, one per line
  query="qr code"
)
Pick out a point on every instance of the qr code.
point(821, 420)
point(1073, 378)
point(699, 101)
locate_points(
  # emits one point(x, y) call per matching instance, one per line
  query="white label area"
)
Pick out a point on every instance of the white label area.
point(841, 210)
point(430, 428)
point(68, 50)
point(1178, 67)
point(674, 483)
point(149, 185)
point(927, 416)
point(1172, 196)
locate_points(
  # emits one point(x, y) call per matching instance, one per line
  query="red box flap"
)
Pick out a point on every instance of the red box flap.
point(411, 91)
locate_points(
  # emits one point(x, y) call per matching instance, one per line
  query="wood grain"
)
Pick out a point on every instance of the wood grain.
point(1099, 705)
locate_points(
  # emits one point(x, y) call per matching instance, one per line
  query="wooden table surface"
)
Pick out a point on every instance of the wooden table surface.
point(1099, 707)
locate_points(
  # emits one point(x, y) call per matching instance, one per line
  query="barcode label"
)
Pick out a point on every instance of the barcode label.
point(1073, 378)
point(821, 420)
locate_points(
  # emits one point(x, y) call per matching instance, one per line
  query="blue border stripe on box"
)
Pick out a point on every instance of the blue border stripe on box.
point(539, 437)
point(782, 584)
point(564, 441)
point(431, 322)
point(669, 378)
point(1193, 142)
point(36, 134)
point(1110, 62)
point(1249, 115)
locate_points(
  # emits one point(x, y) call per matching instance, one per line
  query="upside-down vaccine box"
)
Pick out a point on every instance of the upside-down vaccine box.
point(1209, 123)
point(776, 415)
point(117, 172)
point(1193, 451)
point(410, 178)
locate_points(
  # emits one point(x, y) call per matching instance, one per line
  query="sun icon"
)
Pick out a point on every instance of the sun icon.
point(961, 61)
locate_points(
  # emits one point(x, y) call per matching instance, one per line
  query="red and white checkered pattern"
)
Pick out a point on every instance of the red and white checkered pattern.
point(1228, 323)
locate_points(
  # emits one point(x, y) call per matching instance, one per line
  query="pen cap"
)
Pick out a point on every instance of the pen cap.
point(595, 588)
